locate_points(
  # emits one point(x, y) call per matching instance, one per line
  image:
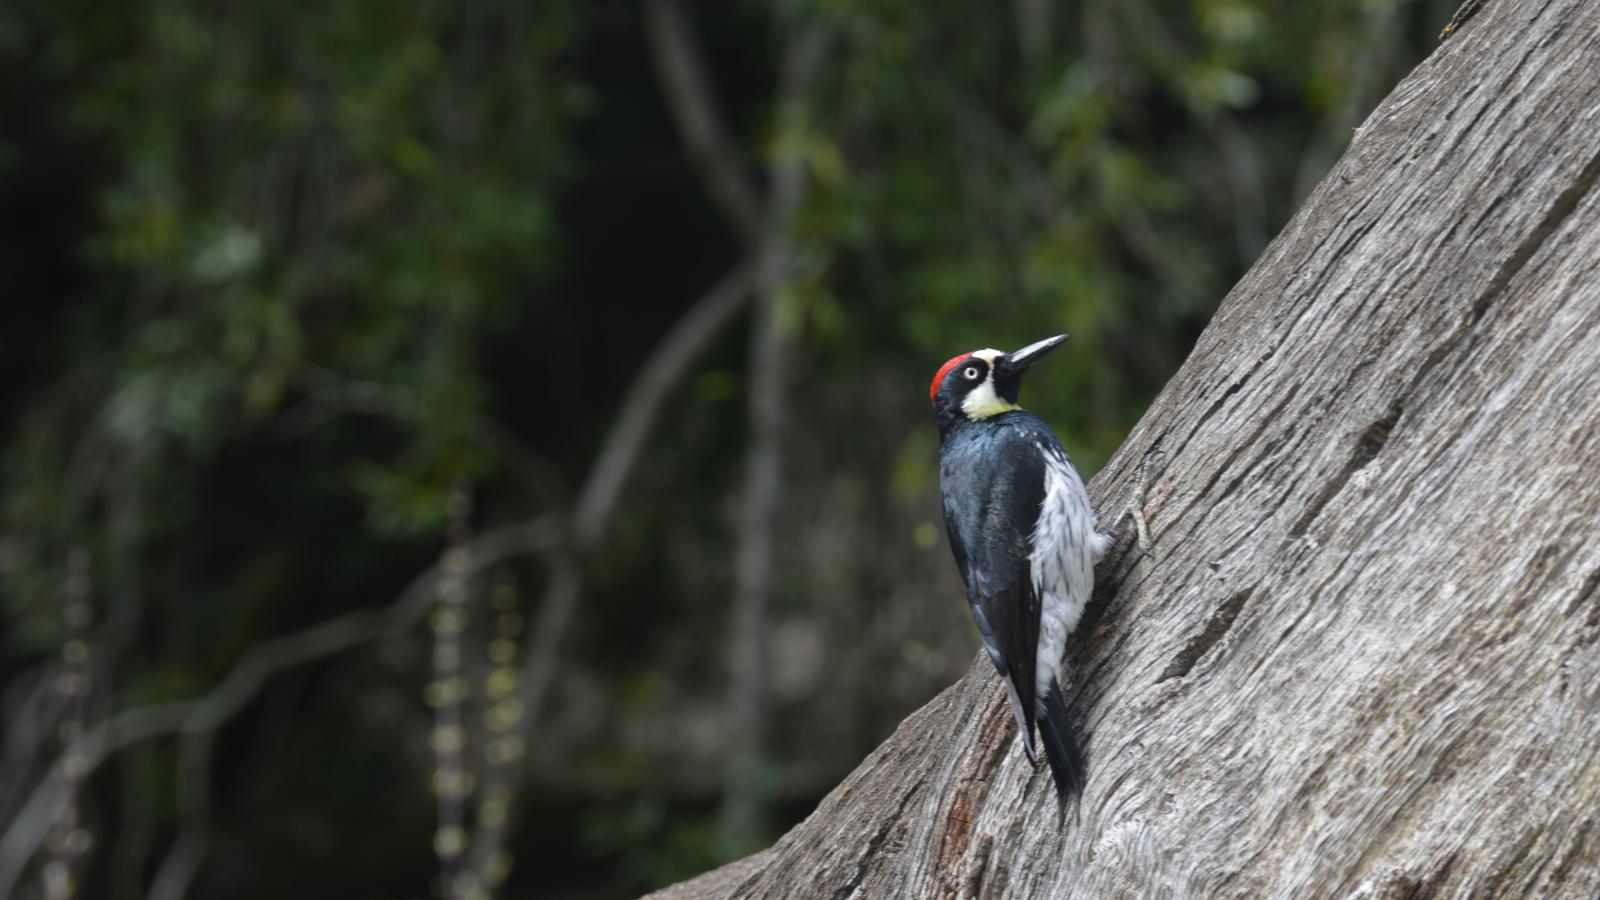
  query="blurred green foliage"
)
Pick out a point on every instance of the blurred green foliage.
point(280, 274)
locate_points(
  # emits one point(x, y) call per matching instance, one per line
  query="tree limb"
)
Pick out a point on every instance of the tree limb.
point(330, 394)
point(198, 720)
point(619, 452)
point(1133, 226)
point(1241, 164)
point(692, 103)
point(31, 720)
point(771, 340)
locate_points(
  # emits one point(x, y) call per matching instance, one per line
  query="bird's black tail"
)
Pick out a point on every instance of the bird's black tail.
point(1060, 748)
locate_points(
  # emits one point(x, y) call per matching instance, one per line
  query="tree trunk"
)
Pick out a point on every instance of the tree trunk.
point(1366, 660)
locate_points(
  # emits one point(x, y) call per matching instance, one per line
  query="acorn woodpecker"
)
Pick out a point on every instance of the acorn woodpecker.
point(1024, 537)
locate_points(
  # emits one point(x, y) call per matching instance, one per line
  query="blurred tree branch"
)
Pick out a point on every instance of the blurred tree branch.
point(69, 839)
point(330, 394)
point(641, 407)
point(1049, 206)
point(32, 709)
point(197, 721)
point(771, 341)
point(1240, 161)
point(1369, 59)
point(447, 693)
point(692, 102)
point(1032, 19)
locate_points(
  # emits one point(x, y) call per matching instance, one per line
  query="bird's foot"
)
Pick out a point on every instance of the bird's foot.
point(1135, 508)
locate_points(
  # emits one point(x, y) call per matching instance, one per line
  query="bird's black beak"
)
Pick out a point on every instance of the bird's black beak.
point(1012, 365)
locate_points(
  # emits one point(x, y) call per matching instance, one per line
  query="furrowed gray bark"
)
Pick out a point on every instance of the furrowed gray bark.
point(1366, 660)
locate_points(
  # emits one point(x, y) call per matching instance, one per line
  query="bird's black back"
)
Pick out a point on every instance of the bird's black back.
point(992, 478)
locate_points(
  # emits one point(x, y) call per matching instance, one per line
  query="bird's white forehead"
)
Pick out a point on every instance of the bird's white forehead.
point(988, 356)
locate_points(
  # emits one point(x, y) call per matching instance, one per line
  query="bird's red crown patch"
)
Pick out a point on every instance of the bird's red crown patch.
point(951, 363)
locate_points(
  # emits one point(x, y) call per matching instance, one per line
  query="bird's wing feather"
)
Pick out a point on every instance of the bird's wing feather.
point(1005, 601)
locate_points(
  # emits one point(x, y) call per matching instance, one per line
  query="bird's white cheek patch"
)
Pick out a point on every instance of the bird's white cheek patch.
point(983, 402)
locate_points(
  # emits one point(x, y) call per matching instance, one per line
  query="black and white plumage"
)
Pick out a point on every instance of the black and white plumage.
point(1024, 538)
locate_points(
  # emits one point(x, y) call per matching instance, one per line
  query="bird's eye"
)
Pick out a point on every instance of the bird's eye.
point(970, 373)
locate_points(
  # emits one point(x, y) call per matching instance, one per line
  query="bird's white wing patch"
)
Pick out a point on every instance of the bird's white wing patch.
point(1065, 548)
